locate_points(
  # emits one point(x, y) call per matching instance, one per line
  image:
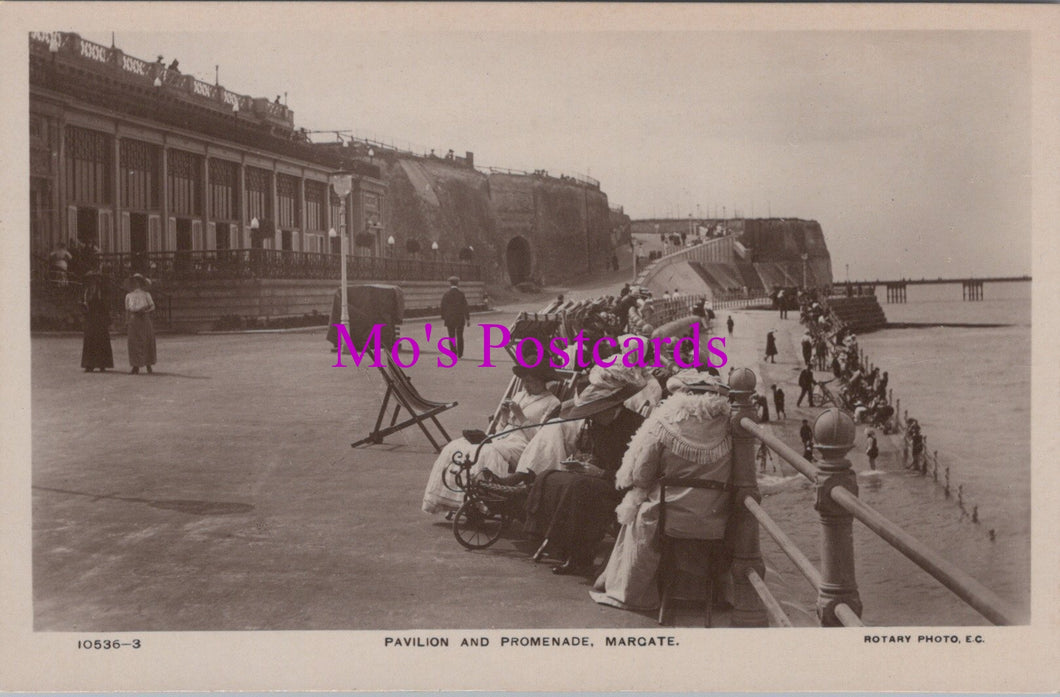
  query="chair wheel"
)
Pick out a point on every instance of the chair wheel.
point(475, 527)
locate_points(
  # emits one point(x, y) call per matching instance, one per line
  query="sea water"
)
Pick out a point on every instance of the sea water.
point(970, 389)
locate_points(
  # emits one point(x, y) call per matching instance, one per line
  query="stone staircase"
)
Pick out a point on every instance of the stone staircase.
point(860, 313)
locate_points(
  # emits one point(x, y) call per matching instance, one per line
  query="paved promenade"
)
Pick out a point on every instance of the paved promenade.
point(222, 493)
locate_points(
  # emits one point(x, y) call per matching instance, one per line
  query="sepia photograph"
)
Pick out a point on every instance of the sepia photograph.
point(591, 339)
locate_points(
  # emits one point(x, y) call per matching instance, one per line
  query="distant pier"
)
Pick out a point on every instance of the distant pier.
point(971, 288)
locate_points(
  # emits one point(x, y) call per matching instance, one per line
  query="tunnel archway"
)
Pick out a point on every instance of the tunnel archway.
point(519, 260)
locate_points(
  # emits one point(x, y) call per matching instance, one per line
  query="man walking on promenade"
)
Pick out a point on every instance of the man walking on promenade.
point(455, 314)
point(807, 348)
point(806, 382)
point(729, 323)
point(806, 436)
point(778, 401)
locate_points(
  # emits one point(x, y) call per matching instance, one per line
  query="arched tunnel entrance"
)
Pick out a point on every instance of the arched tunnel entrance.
point(518, 258)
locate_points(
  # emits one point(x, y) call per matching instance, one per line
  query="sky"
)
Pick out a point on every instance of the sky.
point(911, 148)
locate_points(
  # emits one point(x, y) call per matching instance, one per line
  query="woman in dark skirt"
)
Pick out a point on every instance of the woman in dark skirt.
point(95, 349)
point(139, 306)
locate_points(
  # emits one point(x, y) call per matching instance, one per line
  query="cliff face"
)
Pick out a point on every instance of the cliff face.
point(430, 201)
point(572, 232)
point(522, 227)
point(769, 254)
point(777, 246)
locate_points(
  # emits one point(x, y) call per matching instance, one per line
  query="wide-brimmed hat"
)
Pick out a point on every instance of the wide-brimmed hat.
point(92, 273)
point(541, 371)
point(140, 278)
point(694, 381)
point(454, 280)
point(607, 388)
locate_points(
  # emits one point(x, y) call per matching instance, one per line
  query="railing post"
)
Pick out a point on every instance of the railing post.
point(834, 433)
point(748, 610)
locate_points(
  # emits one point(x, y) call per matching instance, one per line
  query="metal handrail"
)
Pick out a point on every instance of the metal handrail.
point(776, 613)
point(804, 466)
point(985, 601)
point(802, 563)
point(978, 596)
point(847, 616)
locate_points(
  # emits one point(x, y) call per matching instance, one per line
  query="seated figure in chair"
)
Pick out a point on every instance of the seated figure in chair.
point(572, 507)
point(530, 405)
point(686, 437)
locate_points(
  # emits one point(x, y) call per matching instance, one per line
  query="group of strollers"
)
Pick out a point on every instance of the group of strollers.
point(574, 457)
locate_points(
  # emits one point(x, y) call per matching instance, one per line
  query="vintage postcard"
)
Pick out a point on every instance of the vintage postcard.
point(529, 347)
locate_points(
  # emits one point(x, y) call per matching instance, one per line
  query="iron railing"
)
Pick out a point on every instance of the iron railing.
point(223, 264)
point(66, 290)
point(838, 506)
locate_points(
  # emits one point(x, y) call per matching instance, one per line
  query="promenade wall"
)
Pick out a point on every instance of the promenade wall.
point(197, 306)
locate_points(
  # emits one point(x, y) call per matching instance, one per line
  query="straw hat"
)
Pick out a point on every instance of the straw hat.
point(607, 388)
point(542, 371)
point(696, 382)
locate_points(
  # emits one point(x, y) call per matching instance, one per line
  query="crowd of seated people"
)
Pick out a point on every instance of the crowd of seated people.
point(860, 390)
point(591, 465)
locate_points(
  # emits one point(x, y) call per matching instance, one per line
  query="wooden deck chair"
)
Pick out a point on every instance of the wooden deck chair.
point(419, 408)
point(699, 559)
point(542, 326)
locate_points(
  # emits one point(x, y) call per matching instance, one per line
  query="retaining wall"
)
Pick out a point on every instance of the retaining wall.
point(197, 306)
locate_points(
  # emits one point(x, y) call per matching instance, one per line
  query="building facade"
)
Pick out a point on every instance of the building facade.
point(136, 158)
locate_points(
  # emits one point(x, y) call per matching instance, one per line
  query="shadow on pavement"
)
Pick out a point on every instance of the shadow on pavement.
point(190, 507)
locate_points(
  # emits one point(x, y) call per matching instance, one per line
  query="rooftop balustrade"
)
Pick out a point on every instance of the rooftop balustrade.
point(114, 62)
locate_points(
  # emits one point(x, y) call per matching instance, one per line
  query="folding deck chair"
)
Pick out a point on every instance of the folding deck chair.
point(542, 326)
point(419, 408)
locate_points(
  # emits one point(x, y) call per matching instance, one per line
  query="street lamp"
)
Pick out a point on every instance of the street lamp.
point(390, 241)
point(434, 248)
point(805, 256)
point(342, 183)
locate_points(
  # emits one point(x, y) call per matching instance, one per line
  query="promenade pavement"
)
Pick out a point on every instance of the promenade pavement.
point(221, 492)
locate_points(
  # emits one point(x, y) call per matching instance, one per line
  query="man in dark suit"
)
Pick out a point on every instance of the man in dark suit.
point(455, 314)
point(806, 383)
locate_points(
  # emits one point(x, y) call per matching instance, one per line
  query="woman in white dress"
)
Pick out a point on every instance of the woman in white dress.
point(687, 436)
point(139, 306)
point(532, 404)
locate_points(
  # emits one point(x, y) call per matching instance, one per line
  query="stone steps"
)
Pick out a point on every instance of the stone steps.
point(860, 313)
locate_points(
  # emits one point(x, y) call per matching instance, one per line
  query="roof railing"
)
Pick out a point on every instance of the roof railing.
point(104, 58)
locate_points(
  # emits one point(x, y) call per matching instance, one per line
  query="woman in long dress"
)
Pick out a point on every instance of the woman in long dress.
point(532, 404)
point(138, 307)
point(686, 436)
point(771, 347)
point(95, 349)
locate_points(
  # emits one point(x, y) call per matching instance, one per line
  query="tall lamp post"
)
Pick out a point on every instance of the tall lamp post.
point(805, 256)
point(342, 183)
